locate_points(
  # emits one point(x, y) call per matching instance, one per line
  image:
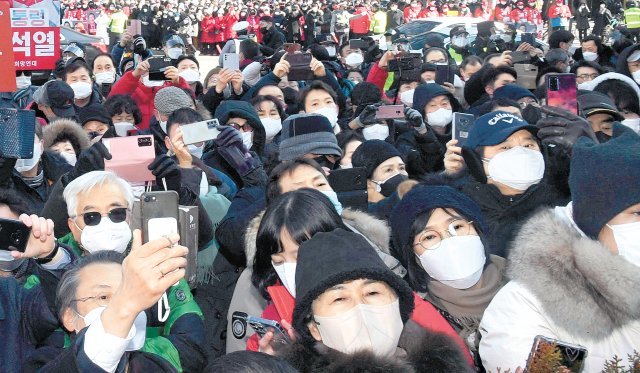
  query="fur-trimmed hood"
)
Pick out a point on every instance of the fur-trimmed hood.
point(582, 287)
point(421, 351)
point(375, 230)
point(65, 129)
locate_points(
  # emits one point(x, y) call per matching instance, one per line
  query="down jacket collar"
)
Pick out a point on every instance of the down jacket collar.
point(582, 287)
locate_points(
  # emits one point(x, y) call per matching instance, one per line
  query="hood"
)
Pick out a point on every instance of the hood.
point(65, 129)
point(621, 66)
point(375, 230)
point(591, 85)
point(53, 165)
point(426, 92)
point(242, 109)
point(582, 287)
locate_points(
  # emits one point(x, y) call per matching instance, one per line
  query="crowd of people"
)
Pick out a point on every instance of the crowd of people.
point(358, 239)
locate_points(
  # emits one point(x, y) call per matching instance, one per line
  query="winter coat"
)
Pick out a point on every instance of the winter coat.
point(65, 128)
point(504, 214)
point(563, 286)
point(621, 66)
point(18, 99)
point(206, 26)
point(143, 96)
point(272, 41)
point(604, 57)
point(230, 20)
point(424, 351)
point(582, 18)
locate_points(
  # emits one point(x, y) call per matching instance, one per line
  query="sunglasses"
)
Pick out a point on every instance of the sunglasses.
point(93, 218)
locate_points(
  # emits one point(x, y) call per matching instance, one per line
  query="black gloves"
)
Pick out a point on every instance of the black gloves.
point(91, 159)
point(230, 147)
point(368, 116)
point(563, 128)
point(414, 118)
point(139, 45)
point(163, 167)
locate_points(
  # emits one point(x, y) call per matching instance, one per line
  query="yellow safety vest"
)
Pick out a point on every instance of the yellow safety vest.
point(632, 18)
point(118, 22)
point(379, 22)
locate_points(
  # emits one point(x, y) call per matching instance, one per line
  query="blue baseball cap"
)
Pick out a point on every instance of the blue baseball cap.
point(495, 127)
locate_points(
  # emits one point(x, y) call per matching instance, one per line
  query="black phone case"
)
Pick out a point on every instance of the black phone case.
point(463, 125)
point(444, 74)
point(351, 187)
point(299, 69)
point(157, 66)
point(17, 131)
point(14, 235)
point(165, 205)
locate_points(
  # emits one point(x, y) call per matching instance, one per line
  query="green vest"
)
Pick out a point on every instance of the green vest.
point(632, 18)
point(118, 22)
point(379, 22)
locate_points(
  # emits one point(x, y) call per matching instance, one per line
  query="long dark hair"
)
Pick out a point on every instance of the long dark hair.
point(417, 277)
point(302, 213)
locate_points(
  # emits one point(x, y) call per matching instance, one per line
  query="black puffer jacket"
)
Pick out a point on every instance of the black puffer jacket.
point(622, 66)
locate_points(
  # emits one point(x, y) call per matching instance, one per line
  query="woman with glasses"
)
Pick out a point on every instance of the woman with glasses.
point(438, 234)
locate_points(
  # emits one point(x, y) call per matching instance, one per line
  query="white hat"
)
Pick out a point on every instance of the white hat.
point(240, 26)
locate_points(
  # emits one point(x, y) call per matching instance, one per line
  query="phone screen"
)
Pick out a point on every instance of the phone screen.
point(443, 74)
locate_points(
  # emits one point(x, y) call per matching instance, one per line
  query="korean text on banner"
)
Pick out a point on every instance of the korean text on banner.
point(35, 26)
point(7, 79)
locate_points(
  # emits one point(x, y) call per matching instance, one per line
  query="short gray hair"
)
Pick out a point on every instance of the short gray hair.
point(88, 182)
point(556, 55)
point(68, 286)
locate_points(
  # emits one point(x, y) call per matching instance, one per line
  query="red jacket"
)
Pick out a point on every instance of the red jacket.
point(533, 15)
point(501, 14)
point(254, 27)
point(518, 15)
point(206, 26)
point(360, 23)
point(230, 20)
point(219, 28)
point(424, 314)
point(141, 94)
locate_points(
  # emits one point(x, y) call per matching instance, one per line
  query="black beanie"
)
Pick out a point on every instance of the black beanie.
point(364, 94)
point(371, 153)
point(331, 258)
point(604, 179)
point(95, 112)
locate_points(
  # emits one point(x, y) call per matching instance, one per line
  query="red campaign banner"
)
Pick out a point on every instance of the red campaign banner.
point(7, 78)
point(36, 48)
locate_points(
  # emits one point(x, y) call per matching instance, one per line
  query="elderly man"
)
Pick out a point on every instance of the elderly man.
point(99, 207)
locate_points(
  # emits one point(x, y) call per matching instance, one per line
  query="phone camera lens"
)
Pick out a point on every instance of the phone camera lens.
point(239, 328)
point(16, 237)
point(147, 199)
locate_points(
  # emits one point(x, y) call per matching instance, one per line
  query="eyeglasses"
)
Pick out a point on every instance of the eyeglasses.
point(431, 239)
point(101, 299)
point(587, 76)
point(243, 128)
point(117, 215)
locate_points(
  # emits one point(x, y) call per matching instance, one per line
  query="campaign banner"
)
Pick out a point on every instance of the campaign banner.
point(35, 26)
point(7, 79)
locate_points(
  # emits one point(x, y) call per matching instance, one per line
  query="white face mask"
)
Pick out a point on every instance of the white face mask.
point(196, 151)
point(406, 97)
point(329, 112)
point(440, 117)
point(71, 158)
point(333, 197)
point(331, 51)
point(457, 262)
point(627, 238)
point(190, 75)
point(247, 139)
point(287, 274)
point(590, 56)
point(346, 166)
point(81, 90)
point(151, 83)
point(354, 60)
point(272, 126)
point(518, 168)
point(106, 236)
point(123, 127)
point(633, 123)
point(23, 82)
point(376, 132)
point(140, 325)
point(24, 165)
point(460, 41)
point(507, 38)
point(106, 77)
point(174, 53)
point(636, 76)
point(7, 262)
point(584, 85)
point(364, 327)
point(163, 125)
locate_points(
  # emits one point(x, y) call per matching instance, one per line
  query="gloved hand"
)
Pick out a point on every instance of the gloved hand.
point(91, 159)
point(139, 45)
point(230, 147)
point(368, 116)
point(563, 128)
point(163, 167)
point(58, 71)
point(414, 119)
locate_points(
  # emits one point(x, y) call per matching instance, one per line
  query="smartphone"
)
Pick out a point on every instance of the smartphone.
point(573, 356)
point(130, 157)
point(462, 124)
point(520, 57)
point(14, 235)
point(17, 133)
point(527, 74)
point(390, 112)
point(134, 26)
point(159, 211)
point(300, 68)
point(200, 131)
point(529, 37)
point(262, 326)
point(562, 91)
point(444, 74)
point(358, 44)
point(105, 88)
point(157, 67)
point(292, 47)
point(351, 187)
point(231, 61)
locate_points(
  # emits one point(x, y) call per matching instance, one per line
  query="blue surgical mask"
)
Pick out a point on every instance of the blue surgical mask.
point(333, 197)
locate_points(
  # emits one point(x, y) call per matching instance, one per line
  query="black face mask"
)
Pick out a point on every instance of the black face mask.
point(531, 114)
point(94, 134)
point(264, 30)
point(391, 185)
point(290, 95)
point(323, 161)
point(602, 137)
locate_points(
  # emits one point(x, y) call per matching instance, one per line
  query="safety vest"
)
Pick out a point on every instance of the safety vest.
point(118, 22)
point(632, 17)
point(379, 22)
